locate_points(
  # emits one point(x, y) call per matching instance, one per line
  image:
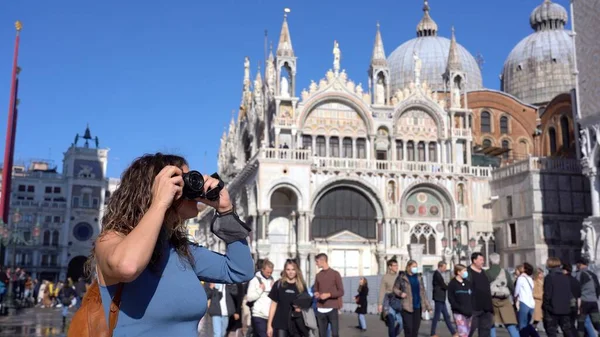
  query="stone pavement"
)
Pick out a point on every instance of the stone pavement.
point(38, 322)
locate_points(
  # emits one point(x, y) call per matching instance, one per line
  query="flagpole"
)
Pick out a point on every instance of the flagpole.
point(11, 131)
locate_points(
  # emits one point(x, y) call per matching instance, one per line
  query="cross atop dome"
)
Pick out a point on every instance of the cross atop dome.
point(426, 27)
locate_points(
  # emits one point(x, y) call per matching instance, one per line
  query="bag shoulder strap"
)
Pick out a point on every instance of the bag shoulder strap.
point(115, 305)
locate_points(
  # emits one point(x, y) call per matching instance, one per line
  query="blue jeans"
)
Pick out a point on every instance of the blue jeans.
point(220, 325)
point(394, 317)
point(512, 331)
point(65, 310)
point(524, 318)
point(589, 328)
point(440, 308)
point(362, 322)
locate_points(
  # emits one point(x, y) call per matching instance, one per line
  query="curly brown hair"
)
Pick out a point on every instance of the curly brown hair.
point(132, 199)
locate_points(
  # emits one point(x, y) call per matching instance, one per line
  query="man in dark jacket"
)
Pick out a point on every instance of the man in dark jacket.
point(483, 310)
point(556, 302)
point(439, 298)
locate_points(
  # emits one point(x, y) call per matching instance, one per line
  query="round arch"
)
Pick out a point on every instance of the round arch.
point(438, 191)
point(345, 209)
point(428, 107)
point(75, 268)
point(367, 189)
point(288, 184)
point(336, 97)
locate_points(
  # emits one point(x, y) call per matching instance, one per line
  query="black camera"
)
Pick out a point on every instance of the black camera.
point(193, 187)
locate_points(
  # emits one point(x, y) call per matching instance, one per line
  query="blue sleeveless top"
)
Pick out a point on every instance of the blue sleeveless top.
point(172, 302)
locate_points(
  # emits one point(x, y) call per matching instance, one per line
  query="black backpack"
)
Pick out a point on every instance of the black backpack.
point(251, 304)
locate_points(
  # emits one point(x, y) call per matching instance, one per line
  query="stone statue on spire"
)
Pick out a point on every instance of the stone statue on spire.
point(336, 57)
point(246, 72)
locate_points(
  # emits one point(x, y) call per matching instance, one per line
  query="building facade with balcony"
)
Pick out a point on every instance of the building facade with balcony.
point(67, 207)
point(403, 167)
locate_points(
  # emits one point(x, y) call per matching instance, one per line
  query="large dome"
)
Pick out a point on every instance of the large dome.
point(540, 67)
point(433, 51)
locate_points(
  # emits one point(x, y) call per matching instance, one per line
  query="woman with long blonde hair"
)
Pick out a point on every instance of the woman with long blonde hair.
point(143, 252)
point(282, 295)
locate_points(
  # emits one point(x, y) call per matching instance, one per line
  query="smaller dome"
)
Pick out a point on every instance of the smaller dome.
point(427, 27)
point(548, 15)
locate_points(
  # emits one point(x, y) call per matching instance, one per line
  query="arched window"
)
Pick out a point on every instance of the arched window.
point(552, 140)
point(421, 147)
point(55, 238)
point(504, 125)
point(564, 130)
point(347, 147)
point(46, 240)
point(523, 148)
point(424, 235)
point(486, 125)
point(361, 148)
point(432, 152)
point(321, 150)
point(334, 147)
point(399, 150)
point(344, 208)
point(505, 146)
point(410, 149)
point(487, 143)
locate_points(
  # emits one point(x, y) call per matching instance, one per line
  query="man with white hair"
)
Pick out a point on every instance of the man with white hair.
point(502, 288)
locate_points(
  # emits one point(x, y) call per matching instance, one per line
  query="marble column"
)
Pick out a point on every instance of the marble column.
point(265, 224)
point(416, 252)
point(595, 191)
point(303, 265)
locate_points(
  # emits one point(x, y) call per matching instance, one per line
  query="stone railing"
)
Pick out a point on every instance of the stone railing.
point(398, 166)
point(461, 132)
point(284, 154)
point(537, 164)
point(281, 121)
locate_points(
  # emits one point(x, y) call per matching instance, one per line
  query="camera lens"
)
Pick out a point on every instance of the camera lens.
point(196, 180)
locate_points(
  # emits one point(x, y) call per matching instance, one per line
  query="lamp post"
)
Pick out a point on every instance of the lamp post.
point(457, 251)
point(13, 236)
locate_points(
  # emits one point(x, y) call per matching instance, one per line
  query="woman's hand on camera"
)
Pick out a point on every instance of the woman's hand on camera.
point(223, 204)
point(167, 187)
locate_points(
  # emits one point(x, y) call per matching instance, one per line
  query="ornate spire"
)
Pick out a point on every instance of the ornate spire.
point(285, 40)
point(378, 56)
point(453, 57)
point(258, 80)
point(426, 27)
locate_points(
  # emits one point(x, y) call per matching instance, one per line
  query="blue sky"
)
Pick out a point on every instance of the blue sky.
point(165, 75)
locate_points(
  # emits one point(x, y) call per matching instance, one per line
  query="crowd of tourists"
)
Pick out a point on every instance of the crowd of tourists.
point(484, 300)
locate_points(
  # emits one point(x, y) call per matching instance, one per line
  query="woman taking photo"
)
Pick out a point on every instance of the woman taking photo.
point(361, 303)
point(282, 295)
point(459, 296)
point(409, 286)
point(143, 250)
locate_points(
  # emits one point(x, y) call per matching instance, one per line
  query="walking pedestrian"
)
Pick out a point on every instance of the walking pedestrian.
point(461, 301)
point(328, 291)
point(525, 302)
point(439, 299)
point(258, 298)
point(483, 309)
point(361, 303)
point(557, 300)
point(390, 307)
point(409, 286)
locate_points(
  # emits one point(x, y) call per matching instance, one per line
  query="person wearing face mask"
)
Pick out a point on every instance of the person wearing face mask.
point(459, 296)
point(409, 286)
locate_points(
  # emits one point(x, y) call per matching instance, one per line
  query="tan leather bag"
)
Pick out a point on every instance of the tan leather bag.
point(89, 320)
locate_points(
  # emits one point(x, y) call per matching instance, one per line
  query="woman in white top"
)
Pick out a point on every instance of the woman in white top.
point(525, 302)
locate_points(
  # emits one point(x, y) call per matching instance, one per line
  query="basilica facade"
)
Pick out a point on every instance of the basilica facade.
point(404, 165)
